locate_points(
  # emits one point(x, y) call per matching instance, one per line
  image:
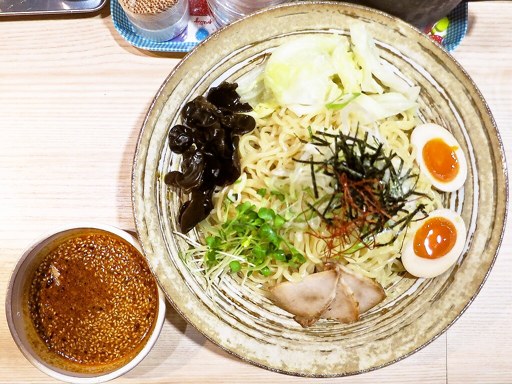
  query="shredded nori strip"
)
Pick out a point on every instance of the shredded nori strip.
point(369, 188)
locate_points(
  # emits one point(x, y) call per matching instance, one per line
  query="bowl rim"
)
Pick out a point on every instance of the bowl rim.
point(45, 367)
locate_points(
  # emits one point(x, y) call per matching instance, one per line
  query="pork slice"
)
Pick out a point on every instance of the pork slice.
point(367, 292)
point(344, 308)
point(309, 298)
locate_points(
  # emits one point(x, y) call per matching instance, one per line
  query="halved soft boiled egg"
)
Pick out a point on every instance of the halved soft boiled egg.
point(439, 157)
point(437, 243)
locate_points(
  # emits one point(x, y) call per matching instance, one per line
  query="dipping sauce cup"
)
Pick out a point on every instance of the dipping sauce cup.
point(82, 304)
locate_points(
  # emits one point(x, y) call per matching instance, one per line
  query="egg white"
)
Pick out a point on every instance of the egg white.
point(422, 267)
point(420, 136)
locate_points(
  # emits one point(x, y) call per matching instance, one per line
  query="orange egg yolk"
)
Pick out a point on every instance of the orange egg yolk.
point(435, 238)
point(441, 160)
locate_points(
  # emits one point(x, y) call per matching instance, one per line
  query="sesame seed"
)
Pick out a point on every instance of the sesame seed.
point(148, 7)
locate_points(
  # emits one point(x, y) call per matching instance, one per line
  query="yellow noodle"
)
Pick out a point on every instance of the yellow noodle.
point(267, 158)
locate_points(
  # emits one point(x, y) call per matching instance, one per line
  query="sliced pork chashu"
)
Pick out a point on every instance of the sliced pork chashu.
point(309, 298)
point(344, 308)
point(367, 292)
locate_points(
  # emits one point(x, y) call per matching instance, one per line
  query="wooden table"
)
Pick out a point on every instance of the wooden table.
point(73, 95)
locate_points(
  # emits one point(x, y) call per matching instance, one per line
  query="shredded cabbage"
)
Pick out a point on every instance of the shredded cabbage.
point(317, 71)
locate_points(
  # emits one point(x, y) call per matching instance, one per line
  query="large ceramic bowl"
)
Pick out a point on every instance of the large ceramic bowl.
point(240, 319)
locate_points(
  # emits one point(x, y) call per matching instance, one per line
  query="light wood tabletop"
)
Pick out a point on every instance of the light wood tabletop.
point(73, 96)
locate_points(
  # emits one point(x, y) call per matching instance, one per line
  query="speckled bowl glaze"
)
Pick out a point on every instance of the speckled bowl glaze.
point(242, 320)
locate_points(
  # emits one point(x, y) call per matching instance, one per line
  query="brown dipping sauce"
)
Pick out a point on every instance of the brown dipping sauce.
point(93, 301)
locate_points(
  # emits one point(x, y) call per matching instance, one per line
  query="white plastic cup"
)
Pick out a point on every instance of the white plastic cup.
point(227, 11)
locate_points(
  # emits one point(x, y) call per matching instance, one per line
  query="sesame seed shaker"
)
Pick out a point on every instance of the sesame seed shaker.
point(158, 20)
